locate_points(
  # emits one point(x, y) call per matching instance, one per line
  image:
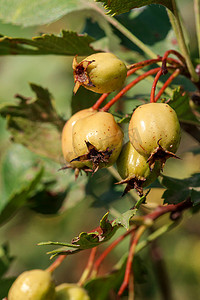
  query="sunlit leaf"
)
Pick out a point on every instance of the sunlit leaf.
point(68, 43)
point(117, 7)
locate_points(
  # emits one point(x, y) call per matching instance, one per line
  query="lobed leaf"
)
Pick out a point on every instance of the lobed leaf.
point(35, 123)
point(86, 240)
point(180, 103)
point(179, 190)
point(68, 43)
point(124, 219)
point(116, 7)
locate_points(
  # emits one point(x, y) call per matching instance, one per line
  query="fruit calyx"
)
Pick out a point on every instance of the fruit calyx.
point(95, 156)
point(77, 171)
point(133, 183)
point(80, 73)
point(161, 155)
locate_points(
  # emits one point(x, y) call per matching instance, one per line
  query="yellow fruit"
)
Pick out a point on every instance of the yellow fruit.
point(67, 147)
point(100, 73)
point(154, 130)
point(33, 285)
point(68, 291)
point(102, 134)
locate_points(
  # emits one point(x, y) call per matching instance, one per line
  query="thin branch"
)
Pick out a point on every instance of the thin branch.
point(167, 83)
point(100, 101)
point(56, 263)
point(89, 266)
point(153, 89)
point(126, 33)
point(137, 236)
point(109, 249)
point(176, 24)
point(197, 21)
point(128, 87)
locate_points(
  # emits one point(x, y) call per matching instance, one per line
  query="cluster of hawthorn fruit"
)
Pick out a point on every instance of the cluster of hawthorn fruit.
point(92, 139)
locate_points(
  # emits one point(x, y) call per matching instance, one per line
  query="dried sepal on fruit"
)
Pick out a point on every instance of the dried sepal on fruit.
point(97, 140)
point(67, 146)
point(33, 285)
point(100, 73)
point(134, 169)
point(154, 131)
point(70, 291)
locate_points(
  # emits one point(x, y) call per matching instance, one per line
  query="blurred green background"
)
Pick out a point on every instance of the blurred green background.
point(180, 248)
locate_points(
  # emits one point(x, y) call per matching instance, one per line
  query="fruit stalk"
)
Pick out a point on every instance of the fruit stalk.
point(167, 83)
point(109, 249)
point(148, 62)
point(128, 87)
point(137, 236)
point(100, 101)
point(88, 268)
point(153, 89)
point(56, 263)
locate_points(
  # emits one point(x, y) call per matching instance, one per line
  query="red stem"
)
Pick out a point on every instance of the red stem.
point(130, 260)
point(99, 101)
point(110, 248)
point(137, 66)
point(161, 210)
point(128, 87)
point(167, 83)
point(56, 263)
point(153, 89)
point(167, 53)
point(148, 62)
point(89, 266)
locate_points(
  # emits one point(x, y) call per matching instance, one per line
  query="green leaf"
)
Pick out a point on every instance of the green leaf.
point(35, 123)
point(116, 7)
point(19, 198)
point(179, 190)
point(68, 43)
point(5, 284)
point(92, 239)
point(86, 240)
point(124, 219)
point(5, 259)
point(37, 12)
point(180, 103)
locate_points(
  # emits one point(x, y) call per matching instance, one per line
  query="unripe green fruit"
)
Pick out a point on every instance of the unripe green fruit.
point(152, 124)
point(134, 169)
point(100, 73)
point(33, 285)
point(68, 291)
point(67, 147)
point(102, 132)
